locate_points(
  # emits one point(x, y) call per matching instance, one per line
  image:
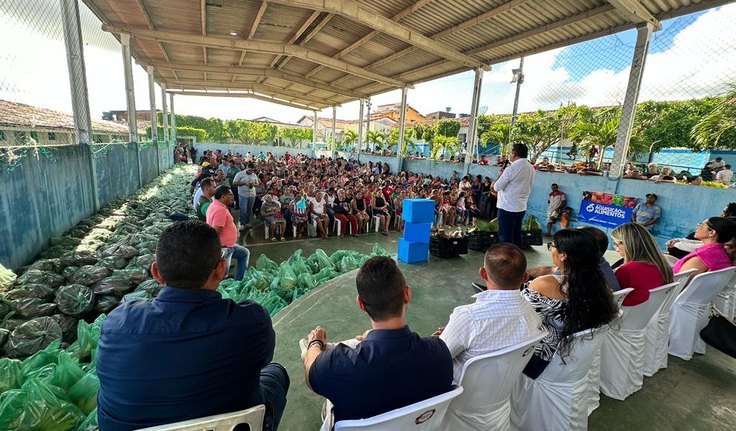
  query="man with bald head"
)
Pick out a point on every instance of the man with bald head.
point(499, 317)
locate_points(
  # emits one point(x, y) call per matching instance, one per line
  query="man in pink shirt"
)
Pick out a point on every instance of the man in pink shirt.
point(220, 218)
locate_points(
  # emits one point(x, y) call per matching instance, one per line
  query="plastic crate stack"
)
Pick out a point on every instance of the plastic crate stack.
point(418, 215)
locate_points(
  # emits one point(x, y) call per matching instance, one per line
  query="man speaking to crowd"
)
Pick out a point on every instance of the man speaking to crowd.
point(514, 186)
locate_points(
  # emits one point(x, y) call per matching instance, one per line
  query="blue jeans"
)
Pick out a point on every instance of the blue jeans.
point(246, 208)
point(274, 386)
point(509, 226)
point(242, 255)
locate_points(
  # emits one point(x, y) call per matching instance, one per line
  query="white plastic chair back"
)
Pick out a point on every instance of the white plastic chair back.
point(425, 415)
point(558, 398)
point(620, 295)
point(689, 313)
point(488, 380)
point(594, 375)
point(725, 300)
point(657, 333)
point(622, 355)
point(224, 422)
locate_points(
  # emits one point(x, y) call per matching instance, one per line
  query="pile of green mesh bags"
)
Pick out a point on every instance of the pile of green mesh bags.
point(275, 286)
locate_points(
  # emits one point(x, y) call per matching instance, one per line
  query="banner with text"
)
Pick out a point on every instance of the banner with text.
point(606, 209)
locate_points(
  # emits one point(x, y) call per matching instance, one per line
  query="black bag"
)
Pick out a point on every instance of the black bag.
point(720, 333)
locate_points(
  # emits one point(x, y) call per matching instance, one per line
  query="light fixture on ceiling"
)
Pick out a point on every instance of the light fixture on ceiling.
point(232, 33)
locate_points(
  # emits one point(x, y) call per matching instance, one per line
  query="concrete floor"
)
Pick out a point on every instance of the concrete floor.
point(695, 395)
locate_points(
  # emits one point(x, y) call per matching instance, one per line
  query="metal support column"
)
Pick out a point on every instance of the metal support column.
point(78, 85)
point(334, 137)
point(360, 125)
point(623, 136)
point(173, 118)
point(130, 101)
point(314, 132)
point(154, 117)
point(402, 128)
point(165, 114)
point(472, 135)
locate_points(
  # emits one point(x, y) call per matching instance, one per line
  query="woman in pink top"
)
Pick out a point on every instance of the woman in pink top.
point(717, 252)
point(644, 268)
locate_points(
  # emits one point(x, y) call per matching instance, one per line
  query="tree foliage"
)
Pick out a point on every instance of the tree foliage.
point(718, 127)
point(447, 127)
point(422, 132)
point(442, 145)
point(296, 135)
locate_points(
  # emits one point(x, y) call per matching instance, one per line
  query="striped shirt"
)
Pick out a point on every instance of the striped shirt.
point(496, 320)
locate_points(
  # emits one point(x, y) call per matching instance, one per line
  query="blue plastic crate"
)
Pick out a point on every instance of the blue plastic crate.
point(413, 252)
point(417, 232)
point(418, 210)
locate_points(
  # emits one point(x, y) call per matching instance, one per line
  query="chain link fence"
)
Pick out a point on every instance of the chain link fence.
point(690, 68)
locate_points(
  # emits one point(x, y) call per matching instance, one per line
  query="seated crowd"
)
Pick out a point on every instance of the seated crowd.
point(189, 353)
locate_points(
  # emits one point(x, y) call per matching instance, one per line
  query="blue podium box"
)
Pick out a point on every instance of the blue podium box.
point(418, 210)
point(413, 252)
point(417, 232)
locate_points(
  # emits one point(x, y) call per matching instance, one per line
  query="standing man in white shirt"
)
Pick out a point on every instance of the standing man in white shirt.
point(246, 182)
point(500, 316)
point(513, 187)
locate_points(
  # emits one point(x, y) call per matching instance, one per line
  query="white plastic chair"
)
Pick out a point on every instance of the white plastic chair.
point(657, 333)
point(224, 422)
point(725, 301)
point(376, 220)
point(689, 313)
point(488, 380)
point(594, 374)
point(622, 355)
point(425, 415)
point(558, 398)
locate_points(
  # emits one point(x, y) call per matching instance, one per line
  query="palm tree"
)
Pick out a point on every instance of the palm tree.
point(602, 131)
point(499, 133)
point(708, 131)
point(444, 144)
point(376, 137)
point(349, 139)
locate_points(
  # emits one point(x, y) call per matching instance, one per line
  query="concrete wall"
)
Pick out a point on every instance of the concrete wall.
point(46, 194)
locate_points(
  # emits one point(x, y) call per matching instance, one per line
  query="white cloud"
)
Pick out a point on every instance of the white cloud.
point(701, 61)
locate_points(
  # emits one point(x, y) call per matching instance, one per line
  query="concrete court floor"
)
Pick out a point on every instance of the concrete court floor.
point(689, 395)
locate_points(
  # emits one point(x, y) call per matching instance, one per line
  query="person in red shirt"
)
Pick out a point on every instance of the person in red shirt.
point(220, 218)
point(644, 268)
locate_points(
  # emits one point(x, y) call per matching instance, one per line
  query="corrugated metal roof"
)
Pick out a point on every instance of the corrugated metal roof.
point(315, 53)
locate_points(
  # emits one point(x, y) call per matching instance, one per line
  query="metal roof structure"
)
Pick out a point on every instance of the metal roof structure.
point(313, 54)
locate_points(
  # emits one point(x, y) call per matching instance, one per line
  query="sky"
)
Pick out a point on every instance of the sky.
point(691, 57)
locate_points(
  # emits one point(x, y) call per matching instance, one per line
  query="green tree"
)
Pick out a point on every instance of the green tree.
point(499, 133)
point(447, 127)
point(661, 125)
point(422, 132)
point(601, 130)
point(541, 130)
point(376, 137)
point(717, 129)
point(448, 145)
point(349, 138)
point(296, 135)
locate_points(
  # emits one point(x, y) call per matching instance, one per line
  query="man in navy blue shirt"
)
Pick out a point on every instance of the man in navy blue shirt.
point(188, 353)
point(392, 367)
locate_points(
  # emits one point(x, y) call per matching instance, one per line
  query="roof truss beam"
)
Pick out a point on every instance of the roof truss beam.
point(261, 88)
point(373, 33)
point(255, 46)
point(313, 32)
point(147, 17)
point(247, 95)
point(635, 12)
point(269, 73)
point(355, 11)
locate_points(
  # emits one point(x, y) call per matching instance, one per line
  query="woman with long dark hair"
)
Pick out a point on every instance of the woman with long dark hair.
point(576, 300)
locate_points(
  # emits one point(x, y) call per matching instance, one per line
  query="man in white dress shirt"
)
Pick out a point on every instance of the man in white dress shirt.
point(513, 187)
point(499, 317)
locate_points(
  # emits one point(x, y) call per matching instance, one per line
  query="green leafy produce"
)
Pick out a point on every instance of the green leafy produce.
point(34, 276)
point(75, 299)
point(139, 295)
point(69, 272)
point(531, 224)
point(150, 286)
point(265, 264)
point(50, 265)
point(125, 251)
point(78, 258)
point(112, 262)
point(379, 251)
point(31, 291)
point(90, 423)
point(117, 285)
point(89, 274)
point(84, 392)
point(32, 307)
point(106, 303)
point(32, 336)
point(67, 372)
point(11, 374)
point(68, 326)
point(135, 275)
point(38, 406)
